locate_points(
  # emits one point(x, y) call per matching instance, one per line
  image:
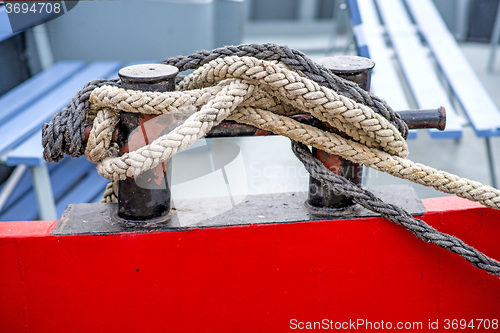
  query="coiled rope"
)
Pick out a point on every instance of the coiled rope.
point(60, 140)
point(264, 94)
point(298, 61)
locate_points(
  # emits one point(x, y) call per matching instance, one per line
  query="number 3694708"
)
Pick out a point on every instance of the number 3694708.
point(33, 7)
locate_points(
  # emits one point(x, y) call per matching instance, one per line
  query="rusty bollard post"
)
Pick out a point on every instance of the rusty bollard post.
point(146, 196)
point(322, 200)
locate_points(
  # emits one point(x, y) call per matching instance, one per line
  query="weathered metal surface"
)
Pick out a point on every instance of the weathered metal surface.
point(253, 278)
point(229, 128)
point(209, 212)
point(433, 118)
point(149, 77)
point(146, 196)
point(352, 68)
point(321, 198)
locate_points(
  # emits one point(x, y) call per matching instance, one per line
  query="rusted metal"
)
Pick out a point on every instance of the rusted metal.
point(352, 68)
point(322, 200)
point(230, 128)
point(433, 118)
point(146, 196)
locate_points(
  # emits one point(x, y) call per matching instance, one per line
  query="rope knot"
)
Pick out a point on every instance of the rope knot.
point(262, 86)
point(231, 83)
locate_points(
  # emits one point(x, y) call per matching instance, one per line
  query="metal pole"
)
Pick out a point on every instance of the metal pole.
point(146, 196)
point(491, 163)
point(321, 198)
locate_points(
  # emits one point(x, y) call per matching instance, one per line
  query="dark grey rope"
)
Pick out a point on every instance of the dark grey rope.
point(66, 130)
point(342, 186)
point(298, 61)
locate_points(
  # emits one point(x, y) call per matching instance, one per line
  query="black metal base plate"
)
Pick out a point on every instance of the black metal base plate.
point(207, 212)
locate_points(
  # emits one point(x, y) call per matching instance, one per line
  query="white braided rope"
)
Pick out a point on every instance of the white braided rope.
point(264, 94)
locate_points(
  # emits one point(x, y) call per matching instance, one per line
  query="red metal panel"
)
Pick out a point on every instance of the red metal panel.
point(20, 229)
point(251, 278)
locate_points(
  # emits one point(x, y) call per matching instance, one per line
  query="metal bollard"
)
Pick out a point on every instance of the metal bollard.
point(146, 196)
point(321, 199)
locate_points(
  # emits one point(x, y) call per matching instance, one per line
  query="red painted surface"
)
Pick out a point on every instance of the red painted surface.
point(253, 278)
point(151, 127)
point(21, 229)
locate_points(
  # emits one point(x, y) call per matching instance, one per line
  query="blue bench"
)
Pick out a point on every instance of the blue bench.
point(23, 111)
point(45, 191)
point(420, 65)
